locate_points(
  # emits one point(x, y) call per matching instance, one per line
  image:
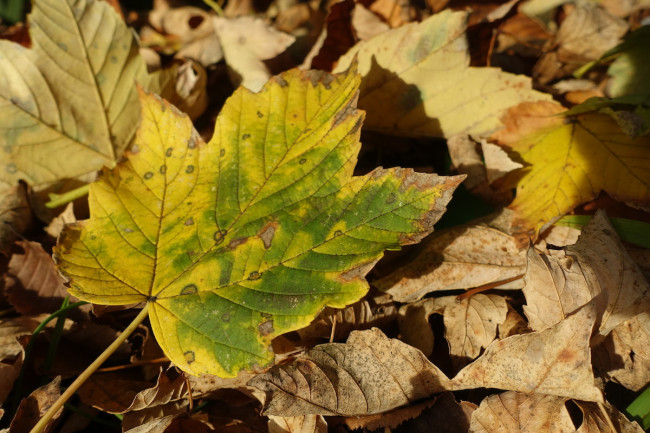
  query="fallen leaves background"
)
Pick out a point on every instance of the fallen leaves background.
point(501, 320)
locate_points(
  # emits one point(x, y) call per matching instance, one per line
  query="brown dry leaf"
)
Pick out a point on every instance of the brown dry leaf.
point(387, 420)
point(467, 160)
point(620, 288)
point(624, 356)
point(15, 216)
point(555, 287)
point(32, 283)
point(497, 161)
point(171, 424)
point(585, 35)
point(458, 258)
point(413, 322)
point(335, 323)
point(10, 330)
point(594, 421)
point(445, 416)
point(366, 23)
point(111, 392)
point(32, 408)
point(246, 41)
point(471, 324)
point(623, 8)
point(9, 371)
point(297, 424)
point(139, 417)
point(513, 325)
point(339, 35)
point(66, 217)
point(371, 373)
point(191, 95)
point(511, 412)
point(556, 361)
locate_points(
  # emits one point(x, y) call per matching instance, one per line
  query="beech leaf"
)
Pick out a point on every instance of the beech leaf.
point(371, 373)
point(68, 104)
point(247, 237)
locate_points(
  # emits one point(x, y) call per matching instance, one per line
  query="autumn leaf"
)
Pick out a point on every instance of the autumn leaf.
point(68, 104)
point(570, 161)
point(371, 373)
point(235, 242)
point(555, 361)
point(417, 81)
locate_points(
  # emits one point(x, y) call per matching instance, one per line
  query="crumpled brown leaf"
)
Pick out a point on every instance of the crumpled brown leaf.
point(413, 321)
point(595, 421)
point(32, 408)
point(15, 216)
point(624, 356)
point(297, 424)
point(618, 285)
point(371, 373)
point(511, 412)
point(32, 283)
point(556, 361)
point(471, 324)
point(458, 258)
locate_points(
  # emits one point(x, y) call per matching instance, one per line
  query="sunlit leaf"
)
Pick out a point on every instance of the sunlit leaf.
point(250, 236)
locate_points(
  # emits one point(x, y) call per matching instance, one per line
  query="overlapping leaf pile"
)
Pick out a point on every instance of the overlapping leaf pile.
point(255, 241)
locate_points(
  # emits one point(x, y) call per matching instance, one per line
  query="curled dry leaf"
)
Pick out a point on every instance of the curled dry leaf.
point(32, 283)
point(32, 408)
point(371, 373)
point(297, 424)
point(15, 216)
point(515, 412)
point(595, 421)
point(444, 416)
point(556, 361)
point(624, 356)
point(376, 311)
point(246, 41)
point(413, 321)
point(171, 424)
point(458, 258)
point(618, 285)
point(585, 35)
point(497, 161)
point(555, 287)
point(471, 324)
point(417, 81)
point(66, 217)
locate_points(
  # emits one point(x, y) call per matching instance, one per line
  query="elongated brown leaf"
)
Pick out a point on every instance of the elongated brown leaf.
point(556, 361)
point(369, 374)
point(458, 258)
point(297, 424)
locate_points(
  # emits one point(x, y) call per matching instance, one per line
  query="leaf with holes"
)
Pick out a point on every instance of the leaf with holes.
point(249, 236)
point(68, 104)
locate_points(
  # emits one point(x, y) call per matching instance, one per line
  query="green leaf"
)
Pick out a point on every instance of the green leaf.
point(68, 104)
point(235, 242)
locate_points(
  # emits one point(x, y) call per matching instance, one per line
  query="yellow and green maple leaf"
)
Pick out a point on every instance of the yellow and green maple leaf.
point(249, 236)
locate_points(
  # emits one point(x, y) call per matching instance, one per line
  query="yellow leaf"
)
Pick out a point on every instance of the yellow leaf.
point(417, 81)
point(570, 161)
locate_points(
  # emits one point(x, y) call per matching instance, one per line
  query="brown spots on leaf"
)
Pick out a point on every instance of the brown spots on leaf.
point(11, 168)
point(189, 169)
point(254, 276)
point(391, 198)
point(190, 357)
point(189, 289)
point(266, 328)
point(259, 113)
point(245, 136)
point(568, 355)
point(267, 233)
point(148, 175)
point(163, 169)
point(236, 242)
point(191, 144)
point(225, 317)
point(189, 221)
point(302, 161)
point(222, 152)
point(169, 151)
point(219, 235)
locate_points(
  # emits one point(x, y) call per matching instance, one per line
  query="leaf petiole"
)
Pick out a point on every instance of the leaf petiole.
point(57, 200)
point(69, 392)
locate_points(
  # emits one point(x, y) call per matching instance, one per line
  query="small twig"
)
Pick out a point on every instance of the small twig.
point(486, 287)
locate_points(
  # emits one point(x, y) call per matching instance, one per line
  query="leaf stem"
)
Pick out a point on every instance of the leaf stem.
point(42, 423)
point(57, 200)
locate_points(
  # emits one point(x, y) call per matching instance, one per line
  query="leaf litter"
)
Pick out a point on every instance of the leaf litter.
point(506, 322)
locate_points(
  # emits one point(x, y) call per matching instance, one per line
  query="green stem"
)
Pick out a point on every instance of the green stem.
point(57, 200)
point(18, 387)
point(215, 6)
point(56, 338)
point(58, 404)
